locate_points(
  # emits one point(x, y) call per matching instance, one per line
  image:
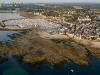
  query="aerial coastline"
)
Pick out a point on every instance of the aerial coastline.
point(40, 45)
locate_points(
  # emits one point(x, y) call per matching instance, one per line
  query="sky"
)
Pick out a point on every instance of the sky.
point(47, 1)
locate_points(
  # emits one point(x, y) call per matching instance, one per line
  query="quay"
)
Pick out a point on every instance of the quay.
point(15, 29)
point(30, 23)
point(3, 11)
point(13, 19)
point(2, 24)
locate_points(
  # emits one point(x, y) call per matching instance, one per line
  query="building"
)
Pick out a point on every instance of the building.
point(84, 19)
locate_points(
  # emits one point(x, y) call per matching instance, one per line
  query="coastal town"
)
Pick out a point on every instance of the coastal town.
point(88, 30)
point(38, 33)
point(61, 19)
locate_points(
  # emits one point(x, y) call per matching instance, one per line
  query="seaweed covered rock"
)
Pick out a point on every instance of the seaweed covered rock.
point(2, 59)
point(32, 49)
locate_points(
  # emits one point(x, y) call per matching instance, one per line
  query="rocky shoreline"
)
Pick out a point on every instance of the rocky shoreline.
point(3, 59)
point(32, 49)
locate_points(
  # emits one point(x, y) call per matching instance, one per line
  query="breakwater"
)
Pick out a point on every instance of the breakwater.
point(15, 29)
point(3, 11)
point(13, 19)
point(2, 24)
point(12, 29)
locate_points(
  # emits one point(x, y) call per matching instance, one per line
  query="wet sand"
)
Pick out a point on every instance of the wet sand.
point(46, 35)
point(95, 44)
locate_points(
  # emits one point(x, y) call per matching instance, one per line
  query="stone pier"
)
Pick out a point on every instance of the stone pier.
point(2, 24)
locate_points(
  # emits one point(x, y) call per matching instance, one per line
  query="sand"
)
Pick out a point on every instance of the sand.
point(46, 35)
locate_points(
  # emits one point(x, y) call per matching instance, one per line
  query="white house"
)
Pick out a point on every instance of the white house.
point(84, 19)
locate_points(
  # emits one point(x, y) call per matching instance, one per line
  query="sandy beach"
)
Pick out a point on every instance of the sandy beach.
point(95, 44)
point(46, 35)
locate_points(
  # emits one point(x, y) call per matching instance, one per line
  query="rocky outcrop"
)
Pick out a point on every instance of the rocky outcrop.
point(32, 49)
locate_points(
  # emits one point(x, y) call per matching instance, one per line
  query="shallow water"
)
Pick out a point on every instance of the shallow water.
point(5, 16)
point(13, 67)
point(4, 34)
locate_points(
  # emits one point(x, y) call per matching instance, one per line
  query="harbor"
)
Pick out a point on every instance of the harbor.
point(30, 23)
point(40, 23)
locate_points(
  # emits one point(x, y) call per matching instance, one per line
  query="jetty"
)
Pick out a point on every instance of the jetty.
point(4, 11)
point(15, 29)
point(30, 23)
point(2, 24)
point(13, 19)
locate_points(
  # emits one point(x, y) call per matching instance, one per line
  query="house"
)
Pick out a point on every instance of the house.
point(84, 19)
point(93, 37)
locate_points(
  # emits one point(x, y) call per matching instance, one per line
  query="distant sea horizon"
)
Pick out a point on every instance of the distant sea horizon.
point(57, 2)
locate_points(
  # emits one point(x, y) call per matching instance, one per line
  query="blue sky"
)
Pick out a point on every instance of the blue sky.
point(93, 1)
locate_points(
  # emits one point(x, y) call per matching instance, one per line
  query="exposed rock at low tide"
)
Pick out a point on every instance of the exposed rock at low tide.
point(33, 49)
point(94, 51)
point(3, 59)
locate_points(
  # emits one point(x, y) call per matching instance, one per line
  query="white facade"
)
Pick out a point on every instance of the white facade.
point(84, 19)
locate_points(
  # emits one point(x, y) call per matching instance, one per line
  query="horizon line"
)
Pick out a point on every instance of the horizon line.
point(53, 2)
point(61, 2)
